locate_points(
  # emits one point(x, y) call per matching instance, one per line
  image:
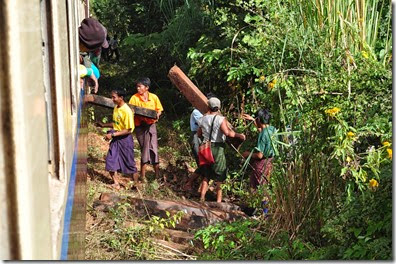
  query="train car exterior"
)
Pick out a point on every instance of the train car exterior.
point(43, 141)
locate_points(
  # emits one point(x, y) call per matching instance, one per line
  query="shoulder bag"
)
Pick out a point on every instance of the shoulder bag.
point(205, 155)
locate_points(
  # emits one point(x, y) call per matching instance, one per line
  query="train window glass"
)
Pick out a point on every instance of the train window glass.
point(49, 86)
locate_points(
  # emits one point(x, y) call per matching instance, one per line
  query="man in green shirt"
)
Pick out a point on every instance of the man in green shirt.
point(263, 154)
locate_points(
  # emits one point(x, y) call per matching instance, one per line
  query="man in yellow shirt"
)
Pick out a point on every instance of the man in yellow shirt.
point(146, 130)
point(120, 157)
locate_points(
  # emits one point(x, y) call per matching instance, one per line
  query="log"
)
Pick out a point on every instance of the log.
point(195, 96)
point(195, 216)
point(188, 89)
point(107, 102)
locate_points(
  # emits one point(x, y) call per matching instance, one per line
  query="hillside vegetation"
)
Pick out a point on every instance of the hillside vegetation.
point(323, 67)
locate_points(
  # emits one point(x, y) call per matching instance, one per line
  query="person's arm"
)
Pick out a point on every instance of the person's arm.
point(199, 132)
point(158, 106)
point(230, 133)
point(159, 114)
point(250, 118)
point(255, 155)
point(123, 132)
point(88, 72)
point(93, 78)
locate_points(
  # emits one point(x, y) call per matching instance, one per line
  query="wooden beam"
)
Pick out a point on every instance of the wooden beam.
point(195, 96)
point(188, 89)
point(107, 102)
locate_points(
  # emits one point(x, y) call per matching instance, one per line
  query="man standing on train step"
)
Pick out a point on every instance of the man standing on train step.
point(145, 128)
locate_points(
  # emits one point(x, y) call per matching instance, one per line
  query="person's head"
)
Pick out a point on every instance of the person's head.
point(143, 85)
point(118, 96)
point(263, 116)
point(214, 104)
point(92, 35)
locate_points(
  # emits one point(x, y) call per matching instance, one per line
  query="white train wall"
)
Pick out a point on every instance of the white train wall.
point(42, 145)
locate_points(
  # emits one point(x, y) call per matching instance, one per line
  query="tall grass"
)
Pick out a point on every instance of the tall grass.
point(353, 24)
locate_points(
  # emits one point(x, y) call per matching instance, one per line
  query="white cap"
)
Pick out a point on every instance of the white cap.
point(214, 102)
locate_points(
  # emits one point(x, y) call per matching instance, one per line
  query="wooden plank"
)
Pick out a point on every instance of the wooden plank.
point(188, 89)
point(195, 97)
point(107, 102)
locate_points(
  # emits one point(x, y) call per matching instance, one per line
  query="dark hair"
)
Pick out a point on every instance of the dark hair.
point(214, 109)
point(145, 81)
point(120, 93)
point(264, 115)
point(210, 95)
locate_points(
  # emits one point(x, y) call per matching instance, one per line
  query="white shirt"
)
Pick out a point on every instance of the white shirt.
point(195, 116)
point(205, 124)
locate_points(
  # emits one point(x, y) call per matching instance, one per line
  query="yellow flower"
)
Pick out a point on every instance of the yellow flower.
point(348, 159)
point(365, 54)
point(271, 85)
point(386, 143)
point(332, 111)
point(262, 78)
point(389, 150)
point(350, 134)
point(373, 183)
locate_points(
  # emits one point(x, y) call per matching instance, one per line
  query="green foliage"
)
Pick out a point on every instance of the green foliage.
point(362, 228)
point(134, 242)
point(231, 241)
point(324, 70)
point(158, 223)
point(128, 242)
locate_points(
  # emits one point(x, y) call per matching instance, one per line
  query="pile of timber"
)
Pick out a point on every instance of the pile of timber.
point(195, 214)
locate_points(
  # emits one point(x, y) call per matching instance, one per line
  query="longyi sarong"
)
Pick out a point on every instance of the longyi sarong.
point(261, 173)
point(147, 138)
point(120, 156)
point(217, 171)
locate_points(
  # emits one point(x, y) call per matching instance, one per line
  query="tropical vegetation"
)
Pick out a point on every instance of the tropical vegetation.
point(324, 69)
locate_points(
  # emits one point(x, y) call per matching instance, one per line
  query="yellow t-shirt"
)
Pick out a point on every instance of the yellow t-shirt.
point(152, 103)
point(123, 118)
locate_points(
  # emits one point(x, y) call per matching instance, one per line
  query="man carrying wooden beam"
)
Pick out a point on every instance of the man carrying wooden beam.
point(146, 130)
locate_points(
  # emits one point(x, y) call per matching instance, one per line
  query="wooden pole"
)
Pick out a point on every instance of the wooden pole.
point(188, 89)
point(107, 102)
point(195, 96)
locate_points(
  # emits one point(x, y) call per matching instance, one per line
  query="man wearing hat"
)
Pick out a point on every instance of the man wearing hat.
point(213, 127)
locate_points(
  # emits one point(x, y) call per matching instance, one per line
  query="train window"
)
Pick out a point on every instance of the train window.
point(72, 56)
point(49, 86)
